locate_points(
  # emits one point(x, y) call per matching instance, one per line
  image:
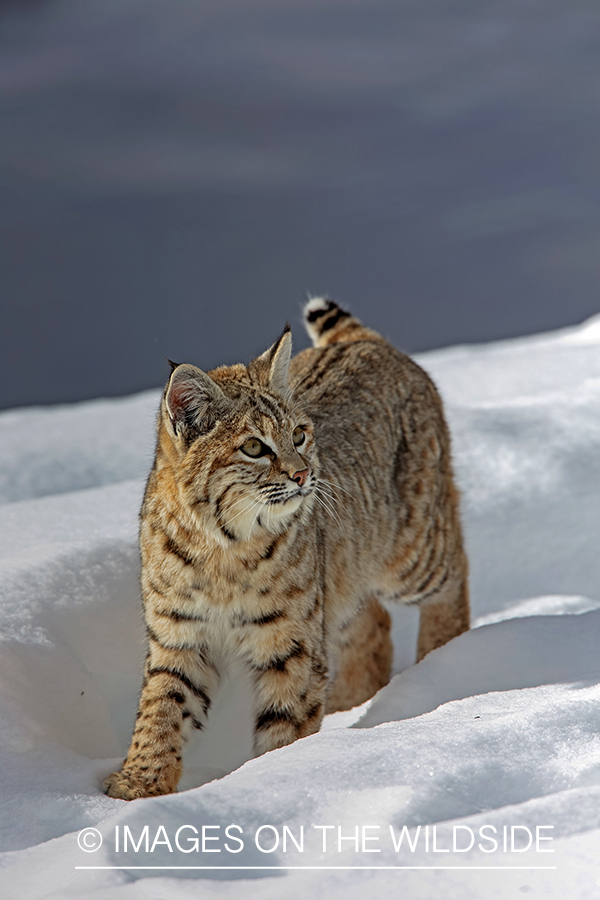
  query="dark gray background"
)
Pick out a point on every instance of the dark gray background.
point(176, 175)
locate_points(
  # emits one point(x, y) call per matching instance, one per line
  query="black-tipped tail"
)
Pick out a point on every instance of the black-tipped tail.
point(322, 315)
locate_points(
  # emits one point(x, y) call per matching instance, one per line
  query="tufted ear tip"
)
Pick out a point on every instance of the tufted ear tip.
point(271, 367)
point(281, 354)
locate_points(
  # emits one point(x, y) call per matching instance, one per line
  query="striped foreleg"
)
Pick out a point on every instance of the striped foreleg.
point(176, 696)
point(291, 690)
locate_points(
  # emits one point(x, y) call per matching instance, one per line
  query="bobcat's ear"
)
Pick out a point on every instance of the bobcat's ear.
point(192, 395)
point(272, 365)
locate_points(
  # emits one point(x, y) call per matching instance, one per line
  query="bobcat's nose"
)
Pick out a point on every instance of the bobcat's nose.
point(300, 477)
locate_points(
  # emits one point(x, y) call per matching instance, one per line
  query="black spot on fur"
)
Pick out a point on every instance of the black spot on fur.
point(177, 696)
point(271, 549)
point(195, 690)
point(278, 663)
point(154, 637)
point(269, 617)
point(319, 668)
point(151, 634)
point(314, 711)
point(334, 319)
point(174, 548)
point(228, 533)
point(315, 314)
point(272, 716)
point(177, 616)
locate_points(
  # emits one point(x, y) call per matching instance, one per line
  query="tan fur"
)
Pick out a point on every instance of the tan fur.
point(279, 560)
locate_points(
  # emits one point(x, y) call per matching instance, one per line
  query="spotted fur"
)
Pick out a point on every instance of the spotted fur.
point(279, 559)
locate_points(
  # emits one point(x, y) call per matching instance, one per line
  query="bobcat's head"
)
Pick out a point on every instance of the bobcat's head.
point(241, 449)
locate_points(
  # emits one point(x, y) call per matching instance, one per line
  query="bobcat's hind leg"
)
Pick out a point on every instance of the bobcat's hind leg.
point(443, 617)
point(365, 658)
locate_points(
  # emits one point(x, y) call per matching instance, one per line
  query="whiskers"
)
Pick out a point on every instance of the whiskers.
point(268, 505)
point(336, 486)
point(277, 494)
point(251, 504)
point(324, 495)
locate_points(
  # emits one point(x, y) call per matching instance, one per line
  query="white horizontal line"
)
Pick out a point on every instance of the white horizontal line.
point(370, 868)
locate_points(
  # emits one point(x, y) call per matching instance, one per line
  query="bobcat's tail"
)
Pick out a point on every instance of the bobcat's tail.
point(327, 323)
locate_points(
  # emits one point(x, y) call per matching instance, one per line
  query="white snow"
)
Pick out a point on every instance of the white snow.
point(493, 739)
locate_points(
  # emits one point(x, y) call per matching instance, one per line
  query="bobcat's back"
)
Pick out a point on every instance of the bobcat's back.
point(385, 454)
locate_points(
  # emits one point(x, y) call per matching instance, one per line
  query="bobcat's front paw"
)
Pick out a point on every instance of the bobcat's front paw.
point(130, 785)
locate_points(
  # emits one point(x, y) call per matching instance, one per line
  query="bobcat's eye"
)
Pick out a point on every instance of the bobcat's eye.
point(253, 447)
point(298, 436)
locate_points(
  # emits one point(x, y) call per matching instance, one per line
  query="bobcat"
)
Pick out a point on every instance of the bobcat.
point(287, 497)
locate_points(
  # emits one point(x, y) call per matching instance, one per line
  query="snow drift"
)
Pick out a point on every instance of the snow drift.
point(475, 773)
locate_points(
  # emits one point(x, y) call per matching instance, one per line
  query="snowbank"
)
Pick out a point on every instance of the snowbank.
point(487, 753)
